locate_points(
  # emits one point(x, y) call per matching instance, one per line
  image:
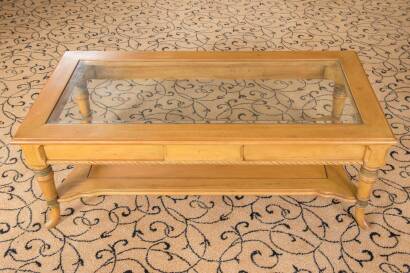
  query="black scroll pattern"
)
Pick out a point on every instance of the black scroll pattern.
point(198, 233)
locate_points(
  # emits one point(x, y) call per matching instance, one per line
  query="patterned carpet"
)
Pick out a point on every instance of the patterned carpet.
point(197, 233)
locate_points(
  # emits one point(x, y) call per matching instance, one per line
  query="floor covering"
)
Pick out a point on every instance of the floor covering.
point(203, 233)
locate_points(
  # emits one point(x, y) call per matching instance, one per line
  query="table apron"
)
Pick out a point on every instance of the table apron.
point(281, 153)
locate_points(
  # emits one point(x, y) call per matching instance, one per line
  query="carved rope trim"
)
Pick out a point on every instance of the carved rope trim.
point(211, 162)
point(339, 91)
point(53, 203)
point(368, 173)
point(362, 203)
point(43, 172)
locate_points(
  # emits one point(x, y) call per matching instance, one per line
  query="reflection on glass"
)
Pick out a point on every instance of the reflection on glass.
point(93, 95)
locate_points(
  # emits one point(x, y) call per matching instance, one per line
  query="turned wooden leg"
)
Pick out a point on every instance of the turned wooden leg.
point(339, 99)
point(45, 178)
point(81, 98)
point(366, 180)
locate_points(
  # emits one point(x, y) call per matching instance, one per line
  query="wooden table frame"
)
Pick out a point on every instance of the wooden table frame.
point(208, 144)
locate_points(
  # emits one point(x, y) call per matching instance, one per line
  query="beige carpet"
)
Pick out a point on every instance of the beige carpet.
point(197, 233)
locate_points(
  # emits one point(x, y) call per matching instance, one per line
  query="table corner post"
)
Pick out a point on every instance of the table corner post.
point(374, 158)
point(36, 160)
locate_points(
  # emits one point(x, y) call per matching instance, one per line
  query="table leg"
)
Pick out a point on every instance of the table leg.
point(45, 178)
point(81, 97)
point(339, 99)
point(374, 158)
point(367, 179)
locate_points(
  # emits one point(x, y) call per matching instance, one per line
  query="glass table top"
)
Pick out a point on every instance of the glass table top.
point(275, 92)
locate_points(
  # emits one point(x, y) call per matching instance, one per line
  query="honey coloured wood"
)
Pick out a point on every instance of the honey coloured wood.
point(206, 123)
point(85, 180)
point(343, 69)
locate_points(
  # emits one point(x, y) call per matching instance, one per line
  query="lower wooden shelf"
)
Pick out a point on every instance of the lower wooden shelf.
point(91, 180)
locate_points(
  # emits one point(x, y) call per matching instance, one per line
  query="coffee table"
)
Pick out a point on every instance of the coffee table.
point(206, 123)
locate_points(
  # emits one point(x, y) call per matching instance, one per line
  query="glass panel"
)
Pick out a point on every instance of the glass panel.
point(286, 92)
